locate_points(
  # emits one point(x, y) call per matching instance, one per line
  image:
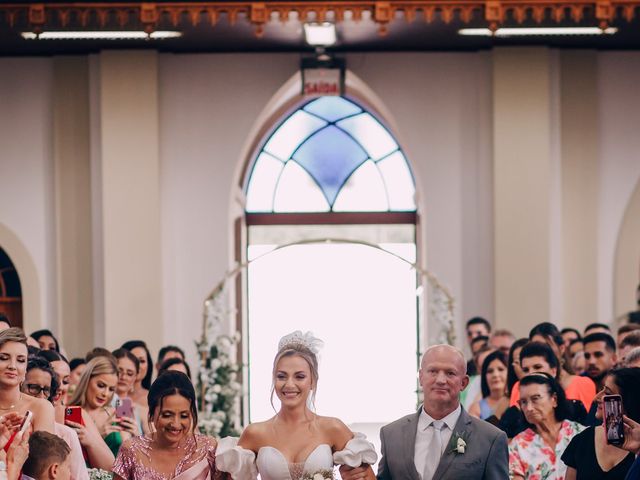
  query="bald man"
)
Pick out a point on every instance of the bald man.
point(441, 441)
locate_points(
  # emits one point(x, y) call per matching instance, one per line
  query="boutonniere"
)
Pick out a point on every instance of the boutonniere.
point(458, 443)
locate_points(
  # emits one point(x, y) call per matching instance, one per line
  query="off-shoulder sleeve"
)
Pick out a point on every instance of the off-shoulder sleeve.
point(125, 462)
point(357, 451)
point(239, 462)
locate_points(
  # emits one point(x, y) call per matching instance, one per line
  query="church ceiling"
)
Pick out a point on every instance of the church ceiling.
point(276, 26)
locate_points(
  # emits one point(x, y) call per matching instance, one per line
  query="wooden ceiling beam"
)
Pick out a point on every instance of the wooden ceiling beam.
point(152, 16)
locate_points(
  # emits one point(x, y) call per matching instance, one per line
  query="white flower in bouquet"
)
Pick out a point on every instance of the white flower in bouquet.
point(324, 474)
point(99, 474)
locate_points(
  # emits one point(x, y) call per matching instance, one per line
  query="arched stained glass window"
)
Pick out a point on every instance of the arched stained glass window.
point(330, 155)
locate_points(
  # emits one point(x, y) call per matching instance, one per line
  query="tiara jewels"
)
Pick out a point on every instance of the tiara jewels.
point(306, 340)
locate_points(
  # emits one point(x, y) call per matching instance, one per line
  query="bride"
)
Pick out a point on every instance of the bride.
point(296, 443)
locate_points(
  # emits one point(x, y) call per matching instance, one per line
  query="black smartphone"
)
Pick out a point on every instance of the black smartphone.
point(613, 425)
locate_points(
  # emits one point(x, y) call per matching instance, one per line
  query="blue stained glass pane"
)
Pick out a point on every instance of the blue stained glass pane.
point(288, 136)
point(373, 136)
point(330, 156)
point(332, 108)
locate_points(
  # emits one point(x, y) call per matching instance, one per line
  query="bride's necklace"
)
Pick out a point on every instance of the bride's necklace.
point(10, 407)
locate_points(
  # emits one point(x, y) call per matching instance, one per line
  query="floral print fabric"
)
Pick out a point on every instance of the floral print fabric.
point(531, 458)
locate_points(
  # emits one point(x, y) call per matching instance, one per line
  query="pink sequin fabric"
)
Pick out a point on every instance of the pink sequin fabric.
point(134, 459)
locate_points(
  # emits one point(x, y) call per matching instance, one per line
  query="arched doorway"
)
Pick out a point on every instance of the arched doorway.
point(331, 169)
point(10, 291)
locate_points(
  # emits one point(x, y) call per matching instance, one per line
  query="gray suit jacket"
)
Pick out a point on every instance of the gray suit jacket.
point(486, 456)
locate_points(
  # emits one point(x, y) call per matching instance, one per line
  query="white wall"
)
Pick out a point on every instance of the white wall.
point(26, 175)
point(441, 105)
point(208, 105)
point(619, 105)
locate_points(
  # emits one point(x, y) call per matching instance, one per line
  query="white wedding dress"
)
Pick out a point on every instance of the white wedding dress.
point(243, 464)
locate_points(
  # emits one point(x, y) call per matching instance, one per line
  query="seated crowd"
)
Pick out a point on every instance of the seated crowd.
point(545, 392)
point(83, 410)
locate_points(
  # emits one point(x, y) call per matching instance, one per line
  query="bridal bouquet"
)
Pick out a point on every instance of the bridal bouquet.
point(99, 474)
point(324, 474)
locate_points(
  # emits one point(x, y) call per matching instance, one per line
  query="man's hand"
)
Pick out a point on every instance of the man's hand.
point(631, 435)
point(348, 473)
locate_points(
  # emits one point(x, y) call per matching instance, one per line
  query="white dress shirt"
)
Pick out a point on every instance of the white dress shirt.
point(424, 435)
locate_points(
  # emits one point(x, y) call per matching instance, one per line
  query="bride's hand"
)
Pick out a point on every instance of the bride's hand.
point(348, 473)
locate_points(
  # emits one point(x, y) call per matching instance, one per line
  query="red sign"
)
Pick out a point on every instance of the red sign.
point(321, 81)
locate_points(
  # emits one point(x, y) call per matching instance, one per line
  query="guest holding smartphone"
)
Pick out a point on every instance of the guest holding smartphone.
point(589, 456)
point(128, 369)
point(42, 382)
point(143, 381)
point(93, 395)
point(13, 369)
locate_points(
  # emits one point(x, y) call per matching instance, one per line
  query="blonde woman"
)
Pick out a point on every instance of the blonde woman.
point(296, 441)
point(13, 369)
point(99, 433)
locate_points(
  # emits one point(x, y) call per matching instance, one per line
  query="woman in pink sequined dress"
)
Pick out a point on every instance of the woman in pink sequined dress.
point(175, 450)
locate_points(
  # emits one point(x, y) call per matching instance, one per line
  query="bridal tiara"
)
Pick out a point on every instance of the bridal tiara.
point(297, 338)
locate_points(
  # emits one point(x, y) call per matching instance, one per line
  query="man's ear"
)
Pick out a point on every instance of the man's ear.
point(53, 469)
point(465, 382)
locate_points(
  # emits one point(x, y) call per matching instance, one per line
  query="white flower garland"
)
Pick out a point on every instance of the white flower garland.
point(219, 390)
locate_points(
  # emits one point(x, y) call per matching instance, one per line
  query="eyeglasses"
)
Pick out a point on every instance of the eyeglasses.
point(534, 400)
point(35, 389)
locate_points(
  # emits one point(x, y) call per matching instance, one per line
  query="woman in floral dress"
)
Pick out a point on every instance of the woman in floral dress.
point(535, 454)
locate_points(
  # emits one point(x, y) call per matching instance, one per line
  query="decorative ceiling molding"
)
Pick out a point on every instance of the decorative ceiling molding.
point(39, 17)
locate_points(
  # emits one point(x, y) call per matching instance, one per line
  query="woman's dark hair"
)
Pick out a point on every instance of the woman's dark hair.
point(52, 356)
point(130, 345)
point(169, 348)
point(497, 355)
point(562, 411)
point(32, 351)
point(570, 329)
point(539, 349)
point(42, 333)
point(174, 361)
point(39, 363)
point(124, 353)
point(172, 383)
point(76, 362)
point(547, 330)
point(512, 378)
point(628, 381)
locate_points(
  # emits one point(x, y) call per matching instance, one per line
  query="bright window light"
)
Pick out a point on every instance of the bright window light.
point(320, 34)
point(526, 31)
point(101, 35)
point(329, 290)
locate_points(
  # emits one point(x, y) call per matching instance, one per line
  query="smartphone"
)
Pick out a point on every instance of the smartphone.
point(613, 425)
point(24, 426)
point(73, 414)
point(124, 408)
point(26, 421)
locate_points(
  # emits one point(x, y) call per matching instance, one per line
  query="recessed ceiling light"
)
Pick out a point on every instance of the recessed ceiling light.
point(101, 35)
point(532, 31)
point(320, 34)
